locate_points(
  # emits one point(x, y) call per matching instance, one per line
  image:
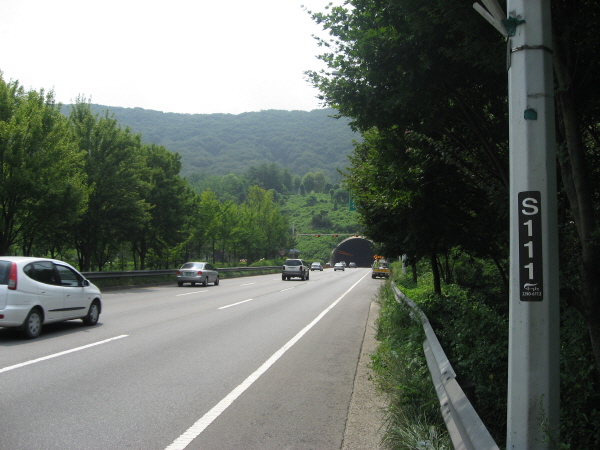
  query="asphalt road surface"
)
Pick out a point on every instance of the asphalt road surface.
point(254, 363)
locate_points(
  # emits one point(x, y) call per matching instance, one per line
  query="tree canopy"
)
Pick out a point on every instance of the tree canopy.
point(89, 190)
point(219, 144)
point(424, 82)
point(41, 168)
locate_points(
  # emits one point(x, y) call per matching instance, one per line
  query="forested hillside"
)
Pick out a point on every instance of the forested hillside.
point(220, 144)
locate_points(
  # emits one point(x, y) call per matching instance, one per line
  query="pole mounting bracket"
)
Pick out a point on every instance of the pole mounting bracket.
point(511, 25)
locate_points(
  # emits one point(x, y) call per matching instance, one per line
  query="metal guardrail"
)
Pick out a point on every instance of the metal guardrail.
point(154, 273)
point(465, 428)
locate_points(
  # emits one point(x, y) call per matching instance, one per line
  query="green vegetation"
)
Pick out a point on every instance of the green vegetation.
point(473, 330)
point(424, 82)
point(319, 214)
point(220, 144)
point(401, 374)
point(85, 189)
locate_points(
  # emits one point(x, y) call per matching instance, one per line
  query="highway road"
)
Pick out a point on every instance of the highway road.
point(254, 363)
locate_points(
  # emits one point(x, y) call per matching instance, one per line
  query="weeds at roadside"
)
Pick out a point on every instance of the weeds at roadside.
point(413, 418)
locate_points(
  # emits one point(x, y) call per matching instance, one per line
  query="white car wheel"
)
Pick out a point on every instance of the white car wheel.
point(32, 327)
point(93, 315)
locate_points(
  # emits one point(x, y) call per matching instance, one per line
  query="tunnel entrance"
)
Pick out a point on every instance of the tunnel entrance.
point(354, 249)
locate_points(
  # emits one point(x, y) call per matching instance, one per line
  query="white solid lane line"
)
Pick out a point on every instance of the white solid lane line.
point(33, 361)
point(194, 431)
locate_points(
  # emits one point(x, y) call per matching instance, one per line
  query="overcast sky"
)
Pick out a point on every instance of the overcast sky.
point(184, 56)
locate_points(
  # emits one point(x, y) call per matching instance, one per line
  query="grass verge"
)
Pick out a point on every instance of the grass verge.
point(413, 418)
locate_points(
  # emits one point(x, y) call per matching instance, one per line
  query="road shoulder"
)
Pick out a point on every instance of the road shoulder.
point(365, 415)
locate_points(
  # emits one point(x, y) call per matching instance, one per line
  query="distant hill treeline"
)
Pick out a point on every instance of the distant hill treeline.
point(219, 144)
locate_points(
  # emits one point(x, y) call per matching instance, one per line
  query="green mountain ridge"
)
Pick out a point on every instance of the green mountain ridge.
point(218, 144)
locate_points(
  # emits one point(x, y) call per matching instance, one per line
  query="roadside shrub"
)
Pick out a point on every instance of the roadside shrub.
point(413, 415)
point(267, 262)
point(579, 384)
point(472, 325)
point(475, 339)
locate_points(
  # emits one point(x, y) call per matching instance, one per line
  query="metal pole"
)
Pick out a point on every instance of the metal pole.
point(533, 386)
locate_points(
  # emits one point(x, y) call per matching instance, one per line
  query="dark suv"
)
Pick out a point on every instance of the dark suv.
point(295, 268)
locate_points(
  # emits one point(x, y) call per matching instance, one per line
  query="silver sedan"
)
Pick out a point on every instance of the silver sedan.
point(197, 272)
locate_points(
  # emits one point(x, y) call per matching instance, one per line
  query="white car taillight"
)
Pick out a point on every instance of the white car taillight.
point(12, 277)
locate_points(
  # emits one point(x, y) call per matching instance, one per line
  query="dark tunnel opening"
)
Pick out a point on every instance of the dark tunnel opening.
point(355, 249)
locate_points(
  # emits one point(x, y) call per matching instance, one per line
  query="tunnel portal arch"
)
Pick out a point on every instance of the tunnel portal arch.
point(354, 249)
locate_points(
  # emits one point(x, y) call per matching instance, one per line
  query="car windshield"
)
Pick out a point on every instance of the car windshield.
point(293, 262)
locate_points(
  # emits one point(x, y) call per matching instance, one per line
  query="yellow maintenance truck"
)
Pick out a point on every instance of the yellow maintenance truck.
point(381, 268)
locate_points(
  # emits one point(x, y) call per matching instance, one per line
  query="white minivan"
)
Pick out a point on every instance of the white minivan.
point(36, 291)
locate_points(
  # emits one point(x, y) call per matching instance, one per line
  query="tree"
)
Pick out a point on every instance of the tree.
point(321, 221)
point(320, 182)
point(168, 197)
point(116, 169)
point(429, 67)
point(233, 188)
point(202, 226)
point(228, 229)
point(436, 68)
point(341, 195)
point(208, 225)
point(267, 176)
point(308, 180)
point(268, 228)
point(418, 206)
point(576, 69)
point(297, 181)
point(42, 185)
point(287, 179)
